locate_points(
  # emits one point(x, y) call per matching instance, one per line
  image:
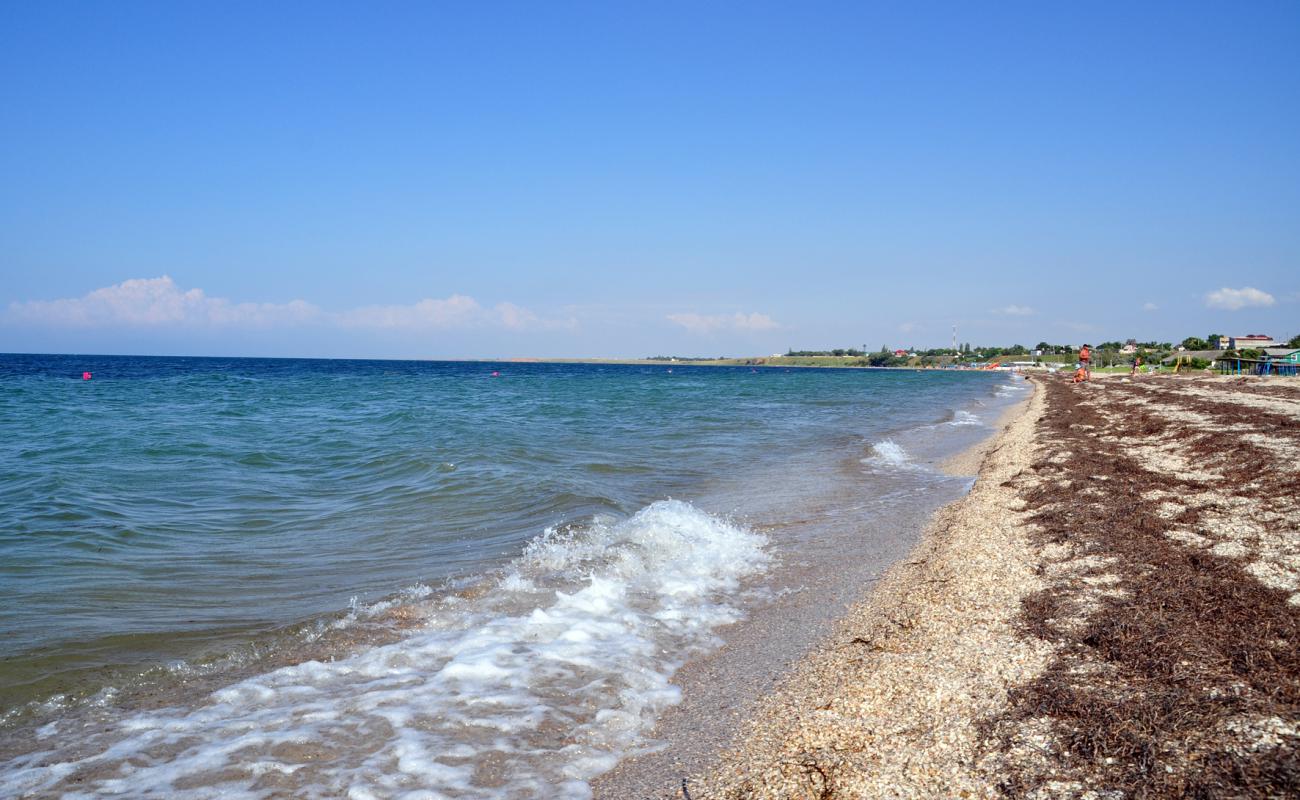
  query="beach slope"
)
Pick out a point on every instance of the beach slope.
point(1114, 608)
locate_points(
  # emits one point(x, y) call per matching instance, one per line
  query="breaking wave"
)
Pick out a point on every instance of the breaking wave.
point(530, 686)
point(889, 453)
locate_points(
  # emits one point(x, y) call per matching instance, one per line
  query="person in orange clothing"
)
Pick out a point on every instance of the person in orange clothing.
point(1080, 374)
point(1085, 359)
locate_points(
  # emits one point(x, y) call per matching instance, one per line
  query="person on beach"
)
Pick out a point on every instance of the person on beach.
point(1080, 373)
point(1137, 365)
point(1085, 359)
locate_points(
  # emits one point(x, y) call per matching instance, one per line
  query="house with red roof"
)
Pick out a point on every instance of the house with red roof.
point(1251, 340)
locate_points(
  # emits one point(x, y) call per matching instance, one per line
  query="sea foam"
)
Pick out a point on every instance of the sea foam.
point(889, 453)
point(528, 689)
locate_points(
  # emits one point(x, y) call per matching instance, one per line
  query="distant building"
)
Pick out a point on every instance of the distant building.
point(1131, 346)
point(1252, 340)
point(901, 353)
point(1291, 355)
point(1205, 355)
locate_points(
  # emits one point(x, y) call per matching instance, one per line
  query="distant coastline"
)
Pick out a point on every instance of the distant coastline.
point(820, 362)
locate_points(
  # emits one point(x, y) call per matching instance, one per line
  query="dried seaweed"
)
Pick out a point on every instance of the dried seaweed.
point(1148, 695)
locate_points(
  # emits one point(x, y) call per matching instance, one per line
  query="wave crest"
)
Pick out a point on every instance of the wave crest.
point(529, 688)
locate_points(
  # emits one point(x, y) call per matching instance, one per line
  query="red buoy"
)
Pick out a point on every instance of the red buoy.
point(85, 376)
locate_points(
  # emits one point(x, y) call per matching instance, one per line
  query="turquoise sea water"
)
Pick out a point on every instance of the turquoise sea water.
point(210, 523)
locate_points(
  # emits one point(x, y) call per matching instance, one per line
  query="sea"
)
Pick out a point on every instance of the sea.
point(235, 577)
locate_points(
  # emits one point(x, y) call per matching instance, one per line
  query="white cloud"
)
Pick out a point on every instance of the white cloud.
point(1015, 311)
point(519, 318)
point(1150, 307)
point(702, 323)
point(159, 302)
point(454, 312)
point(1234, 299)
point(910, 327)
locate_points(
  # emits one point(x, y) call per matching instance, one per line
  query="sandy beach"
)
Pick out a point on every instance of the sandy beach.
point(1113, 611)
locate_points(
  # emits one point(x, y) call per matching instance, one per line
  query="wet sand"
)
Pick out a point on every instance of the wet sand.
point(723, 688)
point(870, 712)
point(727, 688)
point(1113, 611)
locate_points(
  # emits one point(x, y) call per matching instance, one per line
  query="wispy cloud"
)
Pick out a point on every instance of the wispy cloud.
point(1015, 311)
point(516, 317)
point(910, 327)
point(1234, 299)
point(1150, 307)
point(154, 302)
point(704, 323)
point(454, 312)
point(159, 302)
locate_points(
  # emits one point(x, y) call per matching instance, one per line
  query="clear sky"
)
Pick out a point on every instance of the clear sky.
point(486, 179)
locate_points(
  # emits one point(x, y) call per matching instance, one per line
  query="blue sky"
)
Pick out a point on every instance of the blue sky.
point(624, 179)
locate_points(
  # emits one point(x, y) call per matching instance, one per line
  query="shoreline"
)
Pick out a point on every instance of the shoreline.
point(969, 462)
point(1106, 613)
point(866, 688)
point(836, 511)
point(1108, 609)
point(725, 690)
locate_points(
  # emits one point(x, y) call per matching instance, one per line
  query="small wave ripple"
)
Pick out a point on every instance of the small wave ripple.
point(962, 418)
point(527, 689)
point(888, 453)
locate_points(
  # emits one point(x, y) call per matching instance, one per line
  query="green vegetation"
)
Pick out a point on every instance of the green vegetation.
point(1106, 356)
point(839, 353)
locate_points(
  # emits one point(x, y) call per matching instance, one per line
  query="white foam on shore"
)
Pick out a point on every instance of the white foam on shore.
point(527, 690)
point(1011, 389)
point(888, 453)
point(962, 418)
